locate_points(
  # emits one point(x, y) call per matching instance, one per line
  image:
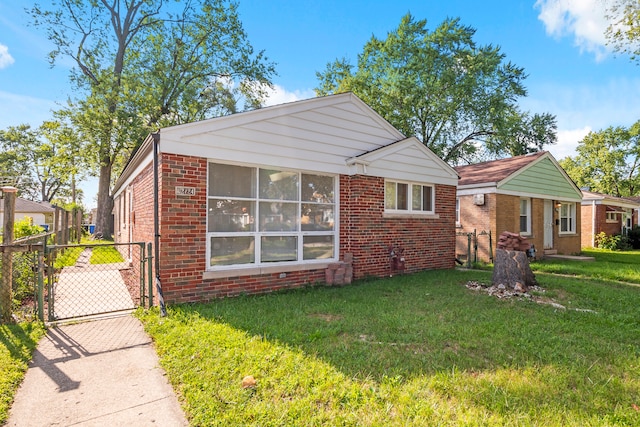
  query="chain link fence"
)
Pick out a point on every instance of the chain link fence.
point(86, 280)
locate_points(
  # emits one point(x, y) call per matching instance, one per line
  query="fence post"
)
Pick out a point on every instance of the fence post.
point(57, 227)
point(41, 281)
point(141, 254)
point(6, 290)
point(469, 250)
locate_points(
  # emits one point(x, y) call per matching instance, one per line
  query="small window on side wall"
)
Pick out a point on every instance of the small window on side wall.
point(408, 197)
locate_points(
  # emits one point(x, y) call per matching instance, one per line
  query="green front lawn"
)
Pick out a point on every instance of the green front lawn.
point(419, 349)
point(17, 343)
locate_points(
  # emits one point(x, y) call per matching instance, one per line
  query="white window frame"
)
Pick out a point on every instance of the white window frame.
point(527, 213)
point(257, 235)
point(570, 217)
point(457, 211)
point(410, 187)
point(611, 217)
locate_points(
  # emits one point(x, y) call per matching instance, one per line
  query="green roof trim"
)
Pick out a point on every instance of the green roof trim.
point(544, 178)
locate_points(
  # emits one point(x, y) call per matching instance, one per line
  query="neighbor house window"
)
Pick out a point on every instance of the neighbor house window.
point(567, 218)
point(525, 216)
point(408, 197)
point(457, 211)
point(261, 216)
point(612, 217)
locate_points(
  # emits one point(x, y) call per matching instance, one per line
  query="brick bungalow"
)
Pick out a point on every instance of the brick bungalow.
point(602, 213)
point(531, 195)
point(273, 198)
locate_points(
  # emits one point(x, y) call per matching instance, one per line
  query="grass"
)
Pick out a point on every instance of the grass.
point(609, 265)
point(413, 350)
point(107, 254)
point(17, 343)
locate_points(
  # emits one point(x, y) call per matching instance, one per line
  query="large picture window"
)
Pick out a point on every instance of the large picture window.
point(262, 216)
point(567, 218)
point(408, 197)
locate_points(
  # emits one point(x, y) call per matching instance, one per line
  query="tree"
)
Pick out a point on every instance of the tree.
point(143, 64)
point(623, 33)
point(608, 161)
point(15, 170)
point(42, 163)
point(458, 98)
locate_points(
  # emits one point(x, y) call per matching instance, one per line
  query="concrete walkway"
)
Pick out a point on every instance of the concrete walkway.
point(99, 373)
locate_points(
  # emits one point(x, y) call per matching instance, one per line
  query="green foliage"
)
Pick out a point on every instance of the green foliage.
point(605, 241)
point(25, 228)
point(24, 279)
point(614, 242)
point(607, 161)
point(67, 257)
point(445, 89)
point(634, 237)
point(623, 32)
point(142, 65)
point(17, 343)
point(43, 163)
point(412, 350)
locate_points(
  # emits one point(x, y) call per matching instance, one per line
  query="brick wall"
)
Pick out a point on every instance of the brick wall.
point(429, 243)
point(586, 226)
point(364, 231)
point(479, 218)
point(500, 213)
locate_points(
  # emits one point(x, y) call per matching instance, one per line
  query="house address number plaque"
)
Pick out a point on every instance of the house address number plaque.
point(185, 191)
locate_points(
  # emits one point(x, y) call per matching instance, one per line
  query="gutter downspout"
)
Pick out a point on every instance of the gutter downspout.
point(156, 223)
point(593, 223)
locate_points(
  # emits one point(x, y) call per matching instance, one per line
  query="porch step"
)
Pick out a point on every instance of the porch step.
point(550, 251)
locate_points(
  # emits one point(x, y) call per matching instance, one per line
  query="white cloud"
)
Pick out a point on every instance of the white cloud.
point(567, 142)
point(5, 57)
point(584, 19)
point(279, 95)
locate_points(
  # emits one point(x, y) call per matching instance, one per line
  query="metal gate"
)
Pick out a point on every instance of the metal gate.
point(92, 279)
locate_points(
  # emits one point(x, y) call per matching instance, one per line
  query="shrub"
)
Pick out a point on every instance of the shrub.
point(634, 237)
point(24, 278)
point(615, 242)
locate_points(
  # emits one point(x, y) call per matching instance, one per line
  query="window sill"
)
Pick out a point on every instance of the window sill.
point(265, 269)
point(410, 215)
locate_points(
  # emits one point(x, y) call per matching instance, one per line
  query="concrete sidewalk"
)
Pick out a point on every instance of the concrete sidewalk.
point(99, 373)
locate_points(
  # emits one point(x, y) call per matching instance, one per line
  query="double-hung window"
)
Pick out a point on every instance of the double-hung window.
point(525, 216)
point(258, 216)
point(408, 197)
point(567, 218)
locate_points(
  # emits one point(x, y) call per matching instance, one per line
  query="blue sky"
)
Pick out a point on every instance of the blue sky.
point(559, 43)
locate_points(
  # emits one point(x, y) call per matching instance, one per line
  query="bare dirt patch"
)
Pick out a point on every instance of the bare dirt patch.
point(533, 293)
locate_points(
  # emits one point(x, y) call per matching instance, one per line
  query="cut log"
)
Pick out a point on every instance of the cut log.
point(512, 269)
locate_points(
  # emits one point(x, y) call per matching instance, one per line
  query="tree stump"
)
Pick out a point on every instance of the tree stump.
point(512, 270)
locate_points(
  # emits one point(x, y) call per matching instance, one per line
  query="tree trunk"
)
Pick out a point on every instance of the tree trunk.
point(511, 269)
point(104, 217)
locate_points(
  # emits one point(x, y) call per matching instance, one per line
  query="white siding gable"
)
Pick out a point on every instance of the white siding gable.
point(319, 135)
point(407, 160)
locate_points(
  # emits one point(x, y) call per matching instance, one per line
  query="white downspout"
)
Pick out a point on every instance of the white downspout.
point(593, 223)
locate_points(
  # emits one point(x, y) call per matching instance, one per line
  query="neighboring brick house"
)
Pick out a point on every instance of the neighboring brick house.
point(275, 197)
point(602, 213)
point(531, 195)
